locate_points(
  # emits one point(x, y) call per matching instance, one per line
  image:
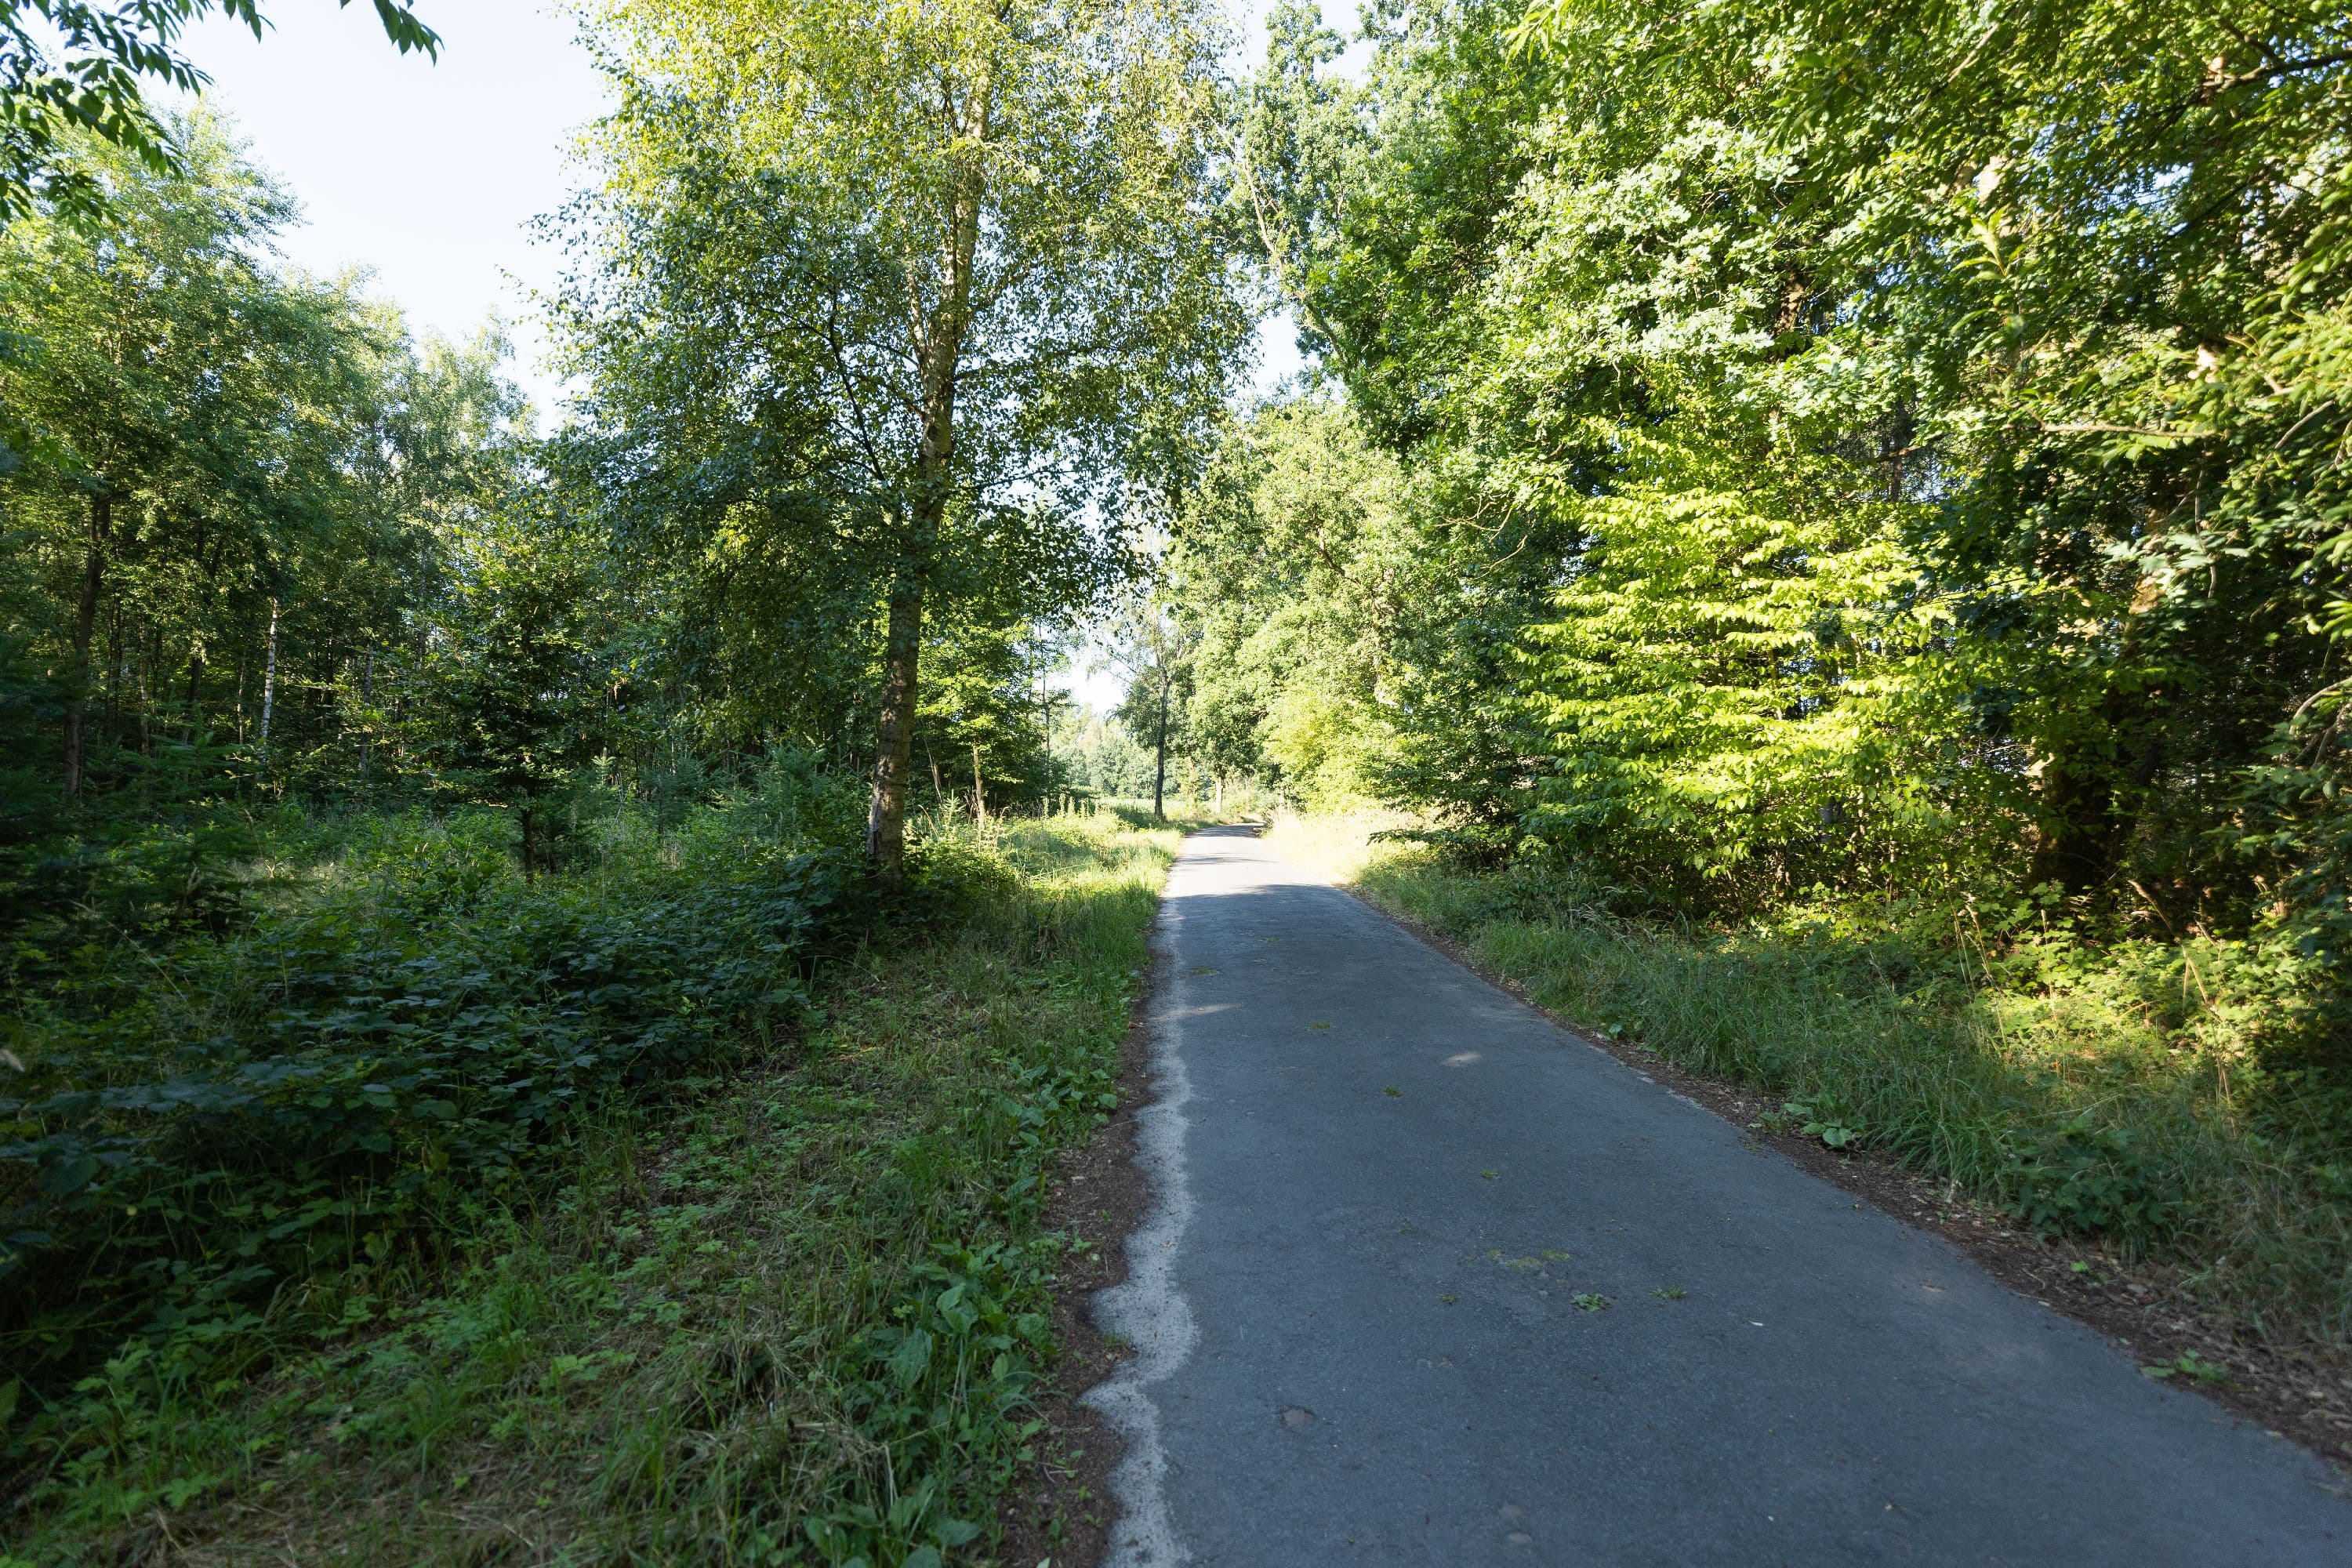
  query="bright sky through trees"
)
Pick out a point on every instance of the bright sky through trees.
point(429, 174)
point(426, 174)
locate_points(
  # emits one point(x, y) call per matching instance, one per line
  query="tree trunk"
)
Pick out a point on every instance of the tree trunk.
point(885, 818)
point(938, 790)
point(93, 575)
point(114, 667)
point(2078, 834)
point(978, 789)
point(367, 715)
point(1159, 772)
point(938, 342)
point(268, 683)
point(2091, 803)
point(1899, 432)
point(144, 665)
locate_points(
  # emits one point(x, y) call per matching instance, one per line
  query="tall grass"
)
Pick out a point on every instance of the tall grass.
point(785, 1306)
point(2098, 1091)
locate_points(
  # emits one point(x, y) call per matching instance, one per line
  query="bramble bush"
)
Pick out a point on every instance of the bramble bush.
point(213, 1139)
point(780, 1299)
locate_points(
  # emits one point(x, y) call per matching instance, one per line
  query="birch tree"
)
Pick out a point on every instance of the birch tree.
point(890, 289)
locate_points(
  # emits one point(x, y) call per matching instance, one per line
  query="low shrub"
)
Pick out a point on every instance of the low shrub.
point(205, 1139)
point(785, 1300)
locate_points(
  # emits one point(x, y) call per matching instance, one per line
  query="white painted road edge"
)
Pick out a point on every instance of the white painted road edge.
point(1151, 1313)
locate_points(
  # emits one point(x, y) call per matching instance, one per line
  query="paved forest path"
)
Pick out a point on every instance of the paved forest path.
point(1359, 1338)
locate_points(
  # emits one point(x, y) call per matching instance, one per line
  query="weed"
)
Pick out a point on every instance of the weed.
point(2082, 1176)
point(2192, 1366)
point(1536, 1260)
point(1825, 1117)
point(1592, 1301)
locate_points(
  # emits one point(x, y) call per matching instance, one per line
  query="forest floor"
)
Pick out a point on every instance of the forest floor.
point(1425, 1277)
point(797, 1313)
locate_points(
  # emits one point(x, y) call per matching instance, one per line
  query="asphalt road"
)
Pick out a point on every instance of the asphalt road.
point(1367, 1321)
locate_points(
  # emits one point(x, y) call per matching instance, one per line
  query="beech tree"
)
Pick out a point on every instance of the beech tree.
point(186, 419)
point(888, 290)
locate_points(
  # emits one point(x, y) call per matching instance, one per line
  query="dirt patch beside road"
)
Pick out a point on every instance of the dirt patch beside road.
point(1064, 1510)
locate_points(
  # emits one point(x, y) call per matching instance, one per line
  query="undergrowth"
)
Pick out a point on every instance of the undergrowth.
point(680, 1208)
point(2111, 1090)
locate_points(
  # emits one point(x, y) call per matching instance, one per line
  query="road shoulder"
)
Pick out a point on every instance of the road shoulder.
point(2143, 1309)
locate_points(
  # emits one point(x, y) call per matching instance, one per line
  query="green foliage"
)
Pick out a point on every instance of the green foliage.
point(989, 694)
point(235, 490)
point(516, 691)
point(196, 1129)
point(785, 1301)
point(2192, 1366)
point(2085, 1177)
point(1843, 462)
point(2133, 537)
point(1827, 1118)
point(1293, 570)
point(1104, 758)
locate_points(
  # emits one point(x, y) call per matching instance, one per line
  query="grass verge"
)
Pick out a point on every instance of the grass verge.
point(793, 1314)
point(2056, 1085)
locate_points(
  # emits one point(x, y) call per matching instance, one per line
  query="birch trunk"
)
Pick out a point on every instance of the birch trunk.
point(269, 684)
point(93, 575)
point(367, 714)
point(1160, 771)
point(886, 820)
point(938, 338)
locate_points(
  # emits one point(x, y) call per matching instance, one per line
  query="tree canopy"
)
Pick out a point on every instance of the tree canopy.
point(895, 303)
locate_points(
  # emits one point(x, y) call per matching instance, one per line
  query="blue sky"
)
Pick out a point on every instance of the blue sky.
point(426, 173)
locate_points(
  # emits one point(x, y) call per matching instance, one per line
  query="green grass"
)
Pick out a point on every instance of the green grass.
point(790, 1313)
point(2093, 1092)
